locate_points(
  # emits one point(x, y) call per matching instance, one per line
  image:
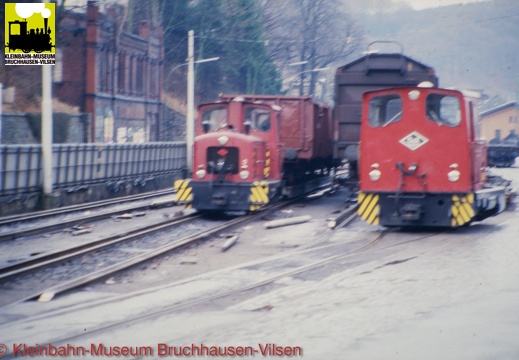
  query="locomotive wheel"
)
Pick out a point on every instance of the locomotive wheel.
point(26, 50)
point(38, 51)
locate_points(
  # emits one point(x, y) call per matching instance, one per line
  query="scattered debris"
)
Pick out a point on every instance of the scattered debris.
point(161, 203)
point(82, 229)
point(319, 194)
point(128, 215)
point(174, 215)
point(189, 260)
point(231, 240)
point(288, 221)
point(82, 232)
point(396, 262)
point(46, 296)
point(264, 308)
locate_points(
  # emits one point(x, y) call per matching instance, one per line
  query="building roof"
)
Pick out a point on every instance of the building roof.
point(500, 107)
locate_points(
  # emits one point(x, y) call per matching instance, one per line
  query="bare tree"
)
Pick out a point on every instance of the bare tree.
point(314, 33)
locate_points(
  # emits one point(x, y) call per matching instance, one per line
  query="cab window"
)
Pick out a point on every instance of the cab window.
point(215, 117)
point(258, 118)
point(443, 109)
point(385, 110)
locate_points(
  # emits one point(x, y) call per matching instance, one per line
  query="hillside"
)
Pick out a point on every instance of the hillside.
point(472, 46)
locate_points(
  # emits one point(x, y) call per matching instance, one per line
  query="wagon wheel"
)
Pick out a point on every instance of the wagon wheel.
point(26, 50)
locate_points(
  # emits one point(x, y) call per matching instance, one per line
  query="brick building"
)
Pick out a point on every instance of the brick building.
point(113, 75)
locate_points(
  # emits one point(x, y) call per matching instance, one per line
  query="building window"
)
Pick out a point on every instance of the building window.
point(140, 75)
point(154, 80)
point(104, 72)
point(131, 84)
point(121, 72)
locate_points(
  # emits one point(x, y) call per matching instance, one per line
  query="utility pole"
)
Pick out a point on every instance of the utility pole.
point(190, 116)
point(1, 104)
point(46, 128)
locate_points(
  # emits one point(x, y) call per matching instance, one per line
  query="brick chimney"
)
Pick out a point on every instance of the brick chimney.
point(144, 29)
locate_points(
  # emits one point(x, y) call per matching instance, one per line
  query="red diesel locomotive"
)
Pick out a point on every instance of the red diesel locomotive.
point(421, 163)
point(249, 150)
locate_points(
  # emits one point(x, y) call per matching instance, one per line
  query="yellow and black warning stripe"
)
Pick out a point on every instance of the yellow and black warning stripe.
point(184, 193)
point(266, 170)
point(462, 210)
point(369, 208)
point(259, 195)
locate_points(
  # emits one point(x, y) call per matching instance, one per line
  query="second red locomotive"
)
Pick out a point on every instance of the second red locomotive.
point(421, 163)
point(250, 150)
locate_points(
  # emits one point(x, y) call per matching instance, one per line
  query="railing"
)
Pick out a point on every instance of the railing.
point(84, 164)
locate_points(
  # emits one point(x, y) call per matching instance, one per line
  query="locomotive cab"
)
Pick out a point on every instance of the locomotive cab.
point(237, 159)
point(421, 163)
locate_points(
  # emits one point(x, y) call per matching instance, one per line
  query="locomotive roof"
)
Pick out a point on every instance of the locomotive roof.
point(380, 56)
point(500, 107)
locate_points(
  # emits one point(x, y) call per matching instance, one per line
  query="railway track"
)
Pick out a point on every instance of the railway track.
point(253, 282)
point(64, 223)
point(161, 244)
point(221, 287)
point(37, 262)
point(335, 252)
point(60, 260)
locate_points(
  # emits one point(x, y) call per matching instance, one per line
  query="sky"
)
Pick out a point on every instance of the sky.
point(423, 4)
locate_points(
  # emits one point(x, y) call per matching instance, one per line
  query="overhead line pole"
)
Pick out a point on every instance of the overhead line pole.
point(1, 113)
point(190, 115)
point(46, 127)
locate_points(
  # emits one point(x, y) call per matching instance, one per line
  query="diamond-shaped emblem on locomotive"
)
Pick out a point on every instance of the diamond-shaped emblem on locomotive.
point(222, 152)
point(414, 140)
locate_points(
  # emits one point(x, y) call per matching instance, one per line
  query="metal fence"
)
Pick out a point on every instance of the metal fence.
point(84, 164)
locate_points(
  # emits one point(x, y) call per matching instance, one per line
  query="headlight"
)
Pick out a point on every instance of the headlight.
point(244, 174)
point(200, 173)
point(374, 175)
point(222, 140)
point(413, 95)
point(453, 175)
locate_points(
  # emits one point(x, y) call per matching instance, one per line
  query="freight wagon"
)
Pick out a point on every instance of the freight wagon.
point(373, 71)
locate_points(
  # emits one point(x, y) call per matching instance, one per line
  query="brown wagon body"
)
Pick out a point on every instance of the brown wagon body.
point(305, 126)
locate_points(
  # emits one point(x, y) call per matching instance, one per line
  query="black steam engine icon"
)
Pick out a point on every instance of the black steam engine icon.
point(37, 40)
